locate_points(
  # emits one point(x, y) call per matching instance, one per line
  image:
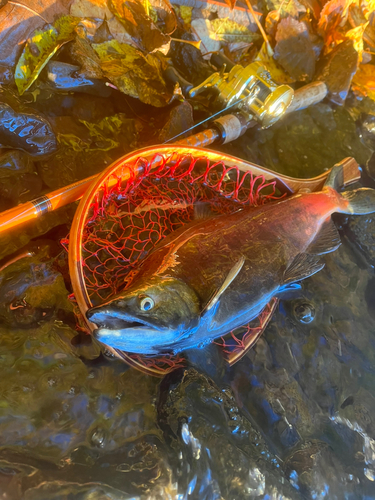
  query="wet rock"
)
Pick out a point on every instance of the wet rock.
point(55, 490)
point(367, 126)
point(361, 231)
point(6, 75)
point(67, 77)
point(180, 119)
point(220, 453)
point(31, 292)
point(19, 181)
point(312, 468)
point(29, 132)
point(57, 222)
point(337, 69)
point(316, 382)
point(87, 148)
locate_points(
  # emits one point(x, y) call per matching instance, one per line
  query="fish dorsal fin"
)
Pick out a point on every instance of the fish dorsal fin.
point(228, 280)
point(327, 240)
point(303, 266)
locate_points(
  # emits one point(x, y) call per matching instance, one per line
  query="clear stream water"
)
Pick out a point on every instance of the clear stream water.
point(294, 419)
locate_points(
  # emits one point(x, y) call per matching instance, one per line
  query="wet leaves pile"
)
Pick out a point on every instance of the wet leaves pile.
point(83, 83)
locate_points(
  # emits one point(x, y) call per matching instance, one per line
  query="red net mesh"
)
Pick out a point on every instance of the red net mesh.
point(129, 217)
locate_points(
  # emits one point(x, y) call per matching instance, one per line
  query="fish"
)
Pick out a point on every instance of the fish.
point(219, 272)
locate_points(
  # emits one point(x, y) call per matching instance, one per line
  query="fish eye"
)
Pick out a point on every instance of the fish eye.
point(146, 303)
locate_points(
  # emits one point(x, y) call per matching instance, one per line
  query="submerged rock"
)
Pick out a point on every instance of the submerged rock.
point(220, 453)
point(27, 131)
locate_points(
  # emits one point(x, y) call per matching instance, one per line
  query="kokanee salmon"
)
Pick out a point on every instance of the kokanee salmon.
point(217, 274)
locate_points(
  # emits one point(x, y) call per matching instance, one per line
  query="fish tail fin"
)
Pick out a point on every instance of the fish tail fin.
point(359, 201)
point(356, 202)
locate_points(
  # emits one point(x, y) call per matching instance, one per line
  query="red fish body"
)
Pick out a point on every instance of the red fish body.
point(218, 274)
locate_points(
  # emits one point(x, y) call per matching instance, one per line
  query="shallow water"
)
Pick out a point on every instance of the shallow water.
point(293, 419)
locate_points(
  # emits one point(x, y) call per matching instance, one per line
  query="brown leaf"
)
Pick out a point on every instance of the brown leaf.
point(294, 50)
point(132, 15)
point(336, 70)
point(271, 22)
point(86, 57)
point(357, 18)
point(314, 6)
point(17, 23)
point(133, 73)
point(334, 15)
point(165, 16)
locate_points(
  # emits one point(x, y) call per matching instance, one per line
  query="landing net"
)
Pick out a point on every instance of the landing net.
point(138, 204)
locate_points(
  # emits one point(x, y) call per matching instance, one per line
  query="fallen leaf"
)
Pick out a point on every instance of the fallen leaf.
point(97, 9)
point(356, 34)
point(85, 147)
point(39, 49)
point(165, 18)
point(82, 52)
point(17, 24)
point(186, 13)
point(364, 81)
point(294, 50)
point(133, 73)
point(229, 31)
point(140, 27)
point(271, 22)
point(368, 7)
point(336, 70)
point(287, 7)
point(357, 18)
point(333, 15)
point(314, 6)
point(203, 31)
point(93, 13)
point(277, 73)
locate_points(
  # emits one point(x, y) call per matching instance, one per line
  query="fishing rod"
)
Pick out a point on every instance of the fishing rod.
point(252, 95)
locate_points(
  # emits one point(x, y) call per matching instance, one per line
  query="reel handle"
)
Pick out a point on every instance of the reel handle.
point(218, 60)
point(173, 76)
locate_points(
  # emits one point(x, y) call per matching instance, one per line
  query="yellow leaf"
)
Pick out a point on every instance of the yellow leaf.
point(185, 13)
point(133, 73)
point(356, 34)
point(363, 82)
point(368, 7)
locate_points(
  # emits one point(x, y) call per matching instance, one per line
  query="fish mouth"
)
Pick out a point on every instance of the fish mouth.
point(108, 319)
point(125, 332)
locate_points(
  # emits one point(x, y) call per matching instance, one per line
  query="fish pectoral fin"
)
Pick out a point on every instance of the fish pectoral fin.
point(288, 291)
point(202, 210)
point(327, 240)
point(303, 266)
point(228, 280)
